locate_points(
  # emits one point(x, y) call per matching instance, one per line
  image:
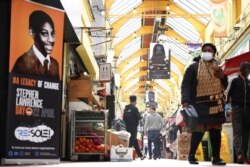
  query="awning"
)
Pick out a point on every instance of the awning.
point(232, 65)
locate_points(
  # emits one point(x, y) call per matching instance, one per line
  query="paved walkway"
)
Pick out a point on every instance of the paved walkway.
point(135, 163)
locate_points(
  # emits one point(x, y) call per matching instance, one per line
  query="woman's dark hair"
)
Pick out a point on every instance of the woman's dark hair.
point(211, 46)
point(37, 19)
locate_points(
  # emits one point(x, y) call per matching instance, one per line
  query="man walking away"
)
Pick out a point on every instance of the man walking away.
point(152, 127)
point(131, 117)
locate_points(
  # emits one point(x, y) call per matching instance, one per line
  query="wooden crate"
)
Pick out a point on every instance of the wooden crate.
point(80, 88)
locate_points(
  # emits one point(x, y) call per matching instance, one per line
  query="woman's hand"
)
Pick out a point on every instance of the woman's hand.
point(185, 105)
point(218, 73)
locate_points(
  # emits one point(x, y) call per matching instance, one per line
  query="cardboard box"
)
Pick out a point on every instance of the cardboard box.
point(118, 154)
point(123, 142)
point(112, 138)
point(115, 138)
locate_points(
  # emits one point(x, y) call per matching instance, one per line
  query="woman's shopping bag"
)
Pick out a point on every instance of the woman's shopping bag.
point(179, 120)
point(190, 116)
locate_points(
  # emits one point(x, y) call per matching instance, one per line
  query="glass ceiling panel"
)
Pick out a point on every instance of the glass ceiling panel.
point(163, 84)
point(156, 90)
point(121, 7)
point(132, 74)
point(127, 29)
point(132, 83)
point(181, 46)
point(131, 64)
point(175, 69)
point(178, 50)
point(196, 7)
point(188, 31)
point(135, 89)
point(129, 49)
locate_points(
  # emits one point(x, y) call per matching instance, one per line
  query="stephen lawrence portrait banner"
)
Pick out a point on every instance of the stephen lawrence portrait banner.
point(34, 93)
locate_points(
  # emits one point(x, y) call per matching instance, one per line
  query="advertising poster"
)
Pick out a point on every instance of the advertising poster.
point(35, 73)
point(151, 99)
point(159, 61)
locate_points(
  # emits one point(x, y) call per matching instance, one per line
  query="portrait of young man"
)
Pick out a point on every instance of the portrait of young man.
point(38, 60)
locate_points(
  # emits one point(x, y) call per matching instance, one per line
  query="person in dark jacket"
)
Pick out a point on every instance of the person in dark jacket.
point(131, 116)
point(239, 95)
point(203, 87)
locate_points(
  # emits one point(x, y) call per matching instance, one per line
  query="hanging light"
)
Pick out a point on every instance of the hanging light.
point(103, 13)
point(134, 11)
point(134, 34)
point(167, 7)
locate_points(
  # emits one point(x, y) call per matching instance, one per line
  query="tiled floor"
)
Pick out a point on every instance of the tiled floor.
point(135, 163)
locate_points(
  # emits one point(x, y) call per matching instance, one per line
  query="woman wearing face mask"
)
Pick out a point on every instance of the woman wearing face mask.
point(203, 87)
point(239, 96)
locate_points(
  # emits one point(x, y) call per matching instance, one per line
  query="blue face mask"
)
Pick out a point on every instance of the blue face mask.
point(207, 56)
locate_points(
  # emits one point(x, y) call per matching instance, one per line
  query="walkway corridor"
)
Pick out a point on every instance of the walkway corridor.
point(136, 163)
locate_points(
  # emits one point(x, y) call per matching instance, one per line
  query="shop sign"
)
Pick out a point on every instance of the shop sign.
point(105, 72)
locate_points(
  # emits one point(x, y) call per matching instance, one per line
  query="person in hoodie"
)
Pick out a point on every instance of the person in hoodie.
point(153, 125)
point(239, 96)
point(131, 116)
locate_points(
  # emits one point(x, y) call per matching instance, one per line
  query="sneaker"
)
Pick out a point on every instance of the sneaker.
point(246, 161)
point(192, 160)
point(143, 157)
point(218, 161)
point(241, 158)
point(149, 158)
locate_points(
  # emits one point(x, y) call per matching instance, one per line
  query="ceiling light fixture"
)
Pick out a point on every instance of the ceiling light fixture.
point(134, 11)
point(103, 13)
point(167, 7)
point(134, 34)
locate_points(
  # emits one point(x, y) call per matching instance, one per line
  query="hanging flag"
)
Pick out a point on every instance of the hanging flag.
point(219, 14)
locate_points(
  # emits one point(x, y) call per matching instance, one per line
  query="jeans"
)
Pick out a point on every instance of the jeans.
point(154, 137)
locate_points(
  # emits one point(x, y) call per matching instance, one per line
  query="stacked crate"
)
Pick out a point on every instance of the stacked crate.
point(183, 145)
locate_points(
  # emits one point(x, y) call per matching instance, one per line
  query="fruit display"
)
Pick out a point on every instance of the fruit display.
point(88, 145)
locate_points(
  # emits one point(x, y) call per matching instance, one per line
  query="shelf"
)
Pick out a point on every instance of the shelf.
point(88, 135)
